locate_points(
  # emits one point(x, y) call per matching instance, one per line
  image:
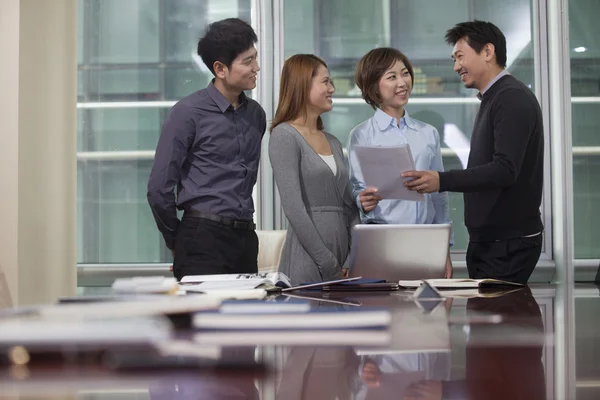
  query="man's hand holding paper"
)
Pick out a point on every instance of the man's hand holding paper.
point(422, 181)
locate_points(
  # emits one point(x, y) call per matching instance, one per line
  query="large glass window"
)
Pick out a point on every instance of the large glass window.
point(585, 91)
point(341, 31)
point(136, 58)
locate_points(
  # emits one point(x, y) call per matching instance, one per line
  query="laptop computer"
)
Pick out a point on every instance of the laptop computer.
point(399, 252)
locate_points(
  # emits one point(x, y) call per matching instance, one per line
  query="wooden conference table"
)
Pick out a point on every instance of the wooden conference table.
point(501, 347)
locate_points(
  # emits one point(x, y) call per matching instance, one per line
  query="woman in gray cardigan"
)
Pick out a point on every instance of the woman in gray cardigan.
point(311, 175)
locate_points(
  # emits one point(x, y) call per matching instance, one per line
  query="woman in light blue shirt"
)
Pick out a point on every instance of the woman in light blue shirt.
point(385, 78)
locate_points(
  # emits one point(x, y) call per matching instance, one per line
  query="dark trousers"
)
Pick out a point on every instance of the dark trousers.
point(510, 260)
point(205, 247)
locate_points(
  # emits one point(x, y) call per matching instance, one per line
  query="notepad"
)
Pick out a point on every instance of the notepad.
point(459, 283)
point(322, 318)
point(325, 337)
point(482, 292)
point(286, 305)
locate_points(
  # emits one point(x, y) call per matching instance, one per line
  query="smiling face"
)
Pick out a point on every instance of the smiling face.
point(471, 66)
point(241, 75)
point(321, 91)
point(395, 86)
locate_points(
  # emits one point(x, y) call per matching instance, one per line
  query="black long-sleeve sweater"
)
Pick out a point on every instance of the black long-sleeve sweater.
point(502, 184)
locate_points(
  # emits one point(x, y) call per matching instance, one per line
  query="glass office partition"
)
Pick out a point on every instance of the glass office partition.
point(585, 115)
point(584, 57)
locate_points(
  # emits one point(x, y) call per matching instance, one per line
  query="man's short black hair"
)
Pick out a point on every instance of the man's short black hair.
point(225, 40)
point(478, 34)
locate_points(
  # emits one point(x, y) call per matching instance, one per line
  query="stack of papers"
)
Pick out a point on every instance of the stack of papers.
point(162, 305)
point(272, 282)
point(39, 332)
point(287, 305)
point(201, 283)
point(324, 337)
point(145, 285)
point(323, 318)
point(291, 322)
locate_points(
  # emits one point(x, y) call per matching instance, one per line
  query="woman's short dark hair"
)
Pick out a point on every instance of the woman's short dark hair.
point(371, 68)
point(225, 40)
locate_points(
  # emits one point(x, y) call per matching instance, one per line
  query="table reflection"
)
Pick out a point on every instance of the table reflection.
point(503, 358)
point(318, 373)
point(476, 348)
point(513, 369)
point(219, 386)
point(502, 361)
point(387, 376)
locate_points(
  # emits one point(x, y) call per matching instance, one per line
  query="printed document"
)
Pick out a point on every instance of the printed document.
point(382, 168)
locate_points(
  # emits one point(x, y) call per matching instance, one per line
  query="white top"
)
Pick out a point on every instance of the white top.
point(330, 161)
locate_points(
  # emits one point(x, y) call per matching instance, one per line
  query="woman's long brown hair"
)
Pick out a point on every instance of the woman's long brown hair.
point(294, 88)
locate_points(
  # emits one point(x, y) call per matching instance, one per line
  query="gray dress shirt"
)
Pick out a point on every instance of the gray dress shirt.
point(210, 152)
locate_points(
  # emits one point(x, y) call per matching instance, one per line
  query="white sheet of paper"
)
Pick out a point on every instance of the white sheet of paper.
point(382, 168)
point(248, 284)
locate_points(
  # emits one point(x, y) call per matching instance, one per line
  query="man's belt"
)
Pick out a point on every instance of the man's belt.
point(242, 224)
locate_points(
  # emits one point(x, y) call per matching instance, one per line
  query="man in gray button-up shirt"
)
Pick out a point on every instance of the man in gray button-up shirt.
point(209, 149)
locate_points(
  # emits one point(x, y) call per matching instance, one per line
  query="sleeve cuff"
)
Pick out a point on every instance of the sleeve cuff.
point(443, 181)
point(361, 213)
point(170, 244)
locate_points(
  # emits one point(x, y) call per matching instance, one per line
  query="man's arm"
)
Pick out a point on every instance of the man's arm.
point(263, 122)
point(176, 137)
point(514, 121)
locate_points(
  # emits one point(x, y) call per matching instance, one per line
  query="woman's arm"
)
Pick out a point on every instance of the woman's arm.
point(366, 198)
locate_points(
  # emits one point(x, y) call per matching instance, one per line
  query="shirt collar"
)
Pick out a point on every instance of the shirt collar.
point(502, 73)
point(384, 120)
point(221, 100)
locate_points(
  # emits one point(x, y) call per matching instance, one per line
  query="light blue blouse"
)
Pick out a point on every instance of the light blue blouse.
point(424, 140)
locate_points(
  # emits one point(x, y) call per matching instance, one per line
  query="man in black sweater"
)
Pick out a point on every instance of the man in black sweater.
point(502, 184)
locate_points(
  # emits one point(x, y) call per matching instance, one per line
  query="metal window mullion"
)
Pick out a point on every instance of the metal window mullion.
point(562, 193)
point(541, 82)
point(266, 20)
point(90, 237)
point(244, 12)
point(394, 28)
point(318, 32)
point(279, 220)
point(162, 57)
point(164, 253)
